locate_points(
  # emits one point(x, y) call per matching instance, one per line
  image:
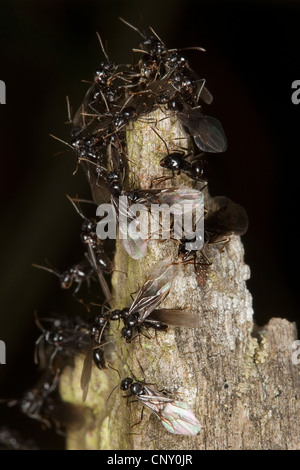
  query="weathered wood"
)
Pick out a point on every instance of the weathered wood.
point(244, 390)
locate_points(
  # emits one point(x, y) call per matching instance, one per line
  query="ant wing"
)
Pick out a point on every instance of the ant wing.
point(101, 278)
point(209, 135)
point(87, 115)
point(39, 352)
point(155, 289)
point(175, 317)
point(182, 196)
point(86, 374)
point(178, 418)
point(82, 119)
point(136, 247)
point(206, 96)
point(134, 241)
point(99, 186)
point(147, 196)
point(207, 131)
point(77, 342)
point(203, 92)
point(78, 120)
point(185, 201)
point(228, 217)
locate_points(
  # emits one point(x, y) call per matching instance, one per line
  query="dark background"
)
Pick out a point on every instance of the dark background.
point(46, 48)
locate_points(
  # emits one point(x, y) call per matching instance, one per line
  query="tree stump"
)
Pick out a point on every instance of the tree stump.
point(243, 389)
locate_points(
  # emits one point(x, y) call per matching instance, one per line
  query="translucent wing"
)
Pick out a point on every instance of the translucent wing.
point(226, 217)
point(102, 281)
point(207, 131)
point(175, 317)
point(135, 244)
point(155, 289)
point(136, 247)
point(176, 416)
point(185, 198)
point(182, 196)
point(206, 96)
point(86, 374)
point(202, 92)
point(99, 186)
point(80, 119)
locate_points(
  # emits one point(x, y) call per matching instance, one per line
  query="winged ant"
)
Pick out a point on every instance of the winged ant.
point(44, 404)
point(176, 416)
point(144, 310)
point(223, 219)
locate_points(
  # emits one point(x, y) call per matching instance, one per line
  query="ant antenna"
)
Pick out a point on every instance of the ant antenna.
point(69, 111)
point(132, 27)
point(102, 47)
point(189, 48)
point(78, 210)
point(37, 322)
point(52, 271)
point(116, 370)
point(154, 130)
point(113, 388)
point(138, 50)
point(156, 35)
point(105, 102)
point(60, 140)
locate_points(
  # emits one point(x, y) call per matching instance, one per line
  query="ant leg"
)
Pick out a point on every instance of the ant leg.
point(132, 293)
point(77, 288)
point(206, 261)
point(161, 179)
point(141, 419)
point(52, 357)
point(202, 264)
point(225, 242)
point(165, 391)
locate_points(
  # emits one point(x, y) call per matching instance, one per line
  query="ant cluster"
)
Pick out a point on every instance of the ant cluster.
point(120, 94)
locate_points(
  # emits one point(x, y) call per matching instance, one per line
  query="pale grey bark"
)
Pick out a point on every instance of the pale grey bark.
point(244, 390)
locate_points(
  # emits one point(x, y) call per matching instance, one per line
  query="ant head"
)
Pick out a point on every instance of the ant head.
point(100, 320)
point(173, 161)
point(27, 401)
point(54, 337)
point(66, 280)
point(127, 332)
point(125, 384)
point(125, 312)
point(175, 105)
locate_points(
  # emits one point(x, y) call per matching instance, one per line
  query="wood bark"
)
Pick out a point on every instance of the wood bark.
point(243, 389)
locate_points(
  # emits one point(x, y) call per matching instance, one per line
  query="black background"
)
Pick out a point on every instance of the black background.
point(46, 49)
